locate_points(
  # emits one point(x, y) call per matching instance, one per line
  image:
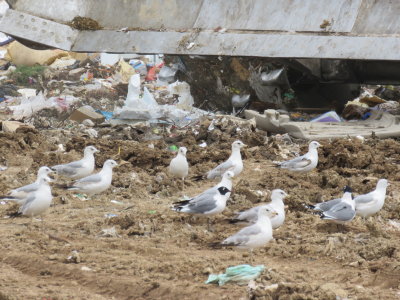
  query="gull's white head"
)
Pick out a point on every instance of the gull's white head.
point(237, 145)
point(90, 150)
point(182, 151)
point(278, 194)
point(382, 184)
point(267, 212)
point(228, 175)
point(110, 163)
point(44, 171)
point(314, 145)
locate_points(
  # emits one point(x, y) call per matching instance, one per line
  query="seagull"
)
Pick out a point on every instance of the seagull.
point(96, 183)
point(211, 201)
point(327, 205)
point(179, 166)
point(255, 235)
point(78, 169)
point(19, 195)
point(38, 201)
point(304, 163)
point(371, 203)
point(234, 163)
point(342, 212)
point(276, 204)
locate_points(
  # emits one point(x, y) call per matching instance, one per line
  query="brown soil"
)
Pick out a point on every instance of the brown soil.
point(155, 253)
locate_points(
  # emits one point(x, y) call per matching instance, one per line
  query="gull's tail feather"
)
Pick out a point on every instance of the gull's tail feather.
point(178, 206)
point(8, 198)
point(309, 206)
point(15, 214)
point(216, 245)
point(198, 177)
point(64, 186)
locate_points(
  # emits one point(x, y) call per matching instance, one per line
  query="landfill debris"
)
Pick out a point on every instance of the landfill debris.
point(117, 202)
point(139, 107)
point(240, 274)
point(110, 215)
point(124, 71)
point(31, 105)
point(63, 62)
point(13, 126)
point(87, 269)
point(109, 232)
point(330, 116)
point(379, 124)
point(21, 55)
point(84, 113)
point(74, 257)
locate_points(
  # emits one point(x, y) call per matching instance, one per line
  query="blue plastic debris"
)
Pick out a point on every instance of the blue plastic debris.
point(107, 114)
point(240, 274)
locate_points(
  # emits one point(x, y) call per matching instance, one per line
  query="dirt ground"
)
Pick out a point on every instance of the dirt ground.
point(137, 248)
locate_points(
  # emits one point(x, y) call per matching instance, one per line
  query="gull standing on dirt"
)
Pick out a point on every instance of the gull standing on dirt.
point(211, 201)
point(78, 169)
point(255, 235)
point(371, 203)
point(276, 204)
point(179, 166)
point(38, 201)
point(234, 163)
point(342, 212)
point(327, 205)
point(19, 195)
point(96, 183)
point(304, 163)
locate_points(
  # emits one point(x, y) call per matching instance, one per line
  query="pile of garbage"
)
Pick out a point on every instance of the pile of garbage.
point(380, 98)
point(52, 88)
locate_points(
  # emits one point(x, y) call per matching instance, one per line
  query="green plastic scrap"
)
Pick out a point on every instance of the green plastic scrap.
point(240, 274)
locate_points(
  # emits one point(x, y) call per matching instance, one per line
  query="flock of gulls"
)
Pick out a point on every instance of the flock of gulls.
point(34, 199)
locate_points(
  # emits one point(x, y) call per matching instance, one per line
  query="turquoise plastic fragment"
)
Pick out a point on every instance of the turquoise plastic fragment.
point(240, 274)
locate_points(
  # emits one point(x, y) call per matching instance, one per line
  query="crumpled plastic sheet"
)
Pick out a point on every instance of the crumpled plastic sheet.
point(240, 274)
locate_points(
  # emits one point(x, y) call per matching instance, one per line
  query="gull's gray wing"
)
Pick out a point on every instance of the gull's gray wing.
point(27, 203)
point(203, 206)
point(27, 188)
point(327, 205)
point(220, 169)
point(296, 163)
point(69, 169)
point(363, 199)
point(206, 195)
point(248, 215)
point(340, 212)
point(242, 236)
point(95, 178)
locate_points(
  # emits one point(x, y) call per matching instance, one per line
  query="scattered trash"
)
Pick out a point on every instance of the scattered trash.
point(109, 232)
point(109, 216)
point(330, 116)
point(13, 126)
point(107, 114)
point(117, 202)
point(173, 148)
point(203, 145)
point(84, 268)
point(379, 123)
point(152, 212)
point(74, 257)
point(81, 196)
point(86, 112)
point(240, 274)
